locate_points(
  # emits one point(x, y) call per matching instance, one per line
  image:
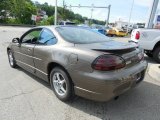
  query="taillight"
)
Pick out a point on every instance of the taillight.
point(137, 35)
point(108, 62)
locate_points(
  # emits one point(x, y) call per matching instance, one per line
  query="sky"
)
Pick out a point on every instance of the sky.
point(120, 9)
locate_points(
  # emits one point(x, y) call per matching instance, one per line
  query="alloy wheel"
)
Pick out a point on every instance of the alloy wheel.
point(11, 60)
point(59, 84)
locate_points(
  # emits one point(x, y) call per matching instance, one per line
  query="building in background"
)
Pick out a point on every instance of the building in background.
point(120, 24)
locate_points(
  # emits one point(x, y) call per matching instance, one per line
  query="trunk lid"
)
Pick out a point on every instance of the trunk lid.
point(127, 51)
point(108, 46)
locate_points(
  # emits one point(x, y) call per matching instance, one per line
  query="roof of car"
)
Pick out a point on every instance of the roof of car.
point(55, 26)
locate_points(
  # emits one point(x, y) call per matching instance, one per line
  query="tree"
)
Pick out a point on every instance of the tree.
point(49, 9)
point(28, 10)
point(22, 10)
point(4, 10)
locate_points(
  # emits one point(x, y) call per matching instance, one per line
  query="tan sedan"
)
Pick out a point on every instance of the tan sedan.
point(78, 61)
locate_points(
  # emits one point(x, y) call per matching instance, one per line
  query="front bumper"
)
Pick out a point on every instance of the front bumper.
point(103, 86)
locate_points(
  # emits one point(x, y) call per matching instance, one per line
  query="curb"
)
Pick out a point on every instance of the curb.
point(18, 25)
point(154, 71)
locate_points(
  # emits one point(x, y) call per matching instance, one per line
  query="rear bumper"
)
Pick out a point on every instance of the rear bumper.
point(133, 41)
point(102, 86)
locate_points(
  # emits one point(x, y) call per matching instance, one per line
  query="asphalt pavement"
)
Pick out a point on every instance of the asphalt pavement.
point(26, 97)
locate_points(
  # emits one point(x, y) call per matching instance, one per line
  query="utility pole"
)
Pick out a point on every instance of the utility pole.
point(107, 21)
point(92, 8)
point(152, 12)
point(130, 16)
point(55, 13)
point(64, 7)
point(91, 16)
point(90, 22)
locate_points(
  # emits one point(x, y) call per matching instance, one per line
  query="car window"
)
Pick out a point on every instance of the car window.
point(70, 23)
point(31, 37)
point(47, 38)
point(80, 35)
point(61, 23)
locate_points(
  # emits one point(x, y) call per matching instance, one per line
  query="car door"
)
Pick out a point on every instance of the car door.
point(43, 52)
point(24, 53)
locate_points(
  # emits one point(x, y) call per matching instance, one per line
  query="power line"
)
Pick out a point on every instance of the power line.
point(92, 8)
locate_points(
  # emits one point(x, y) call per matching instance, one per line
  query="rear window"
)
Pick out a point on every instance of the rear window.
point(80, 35)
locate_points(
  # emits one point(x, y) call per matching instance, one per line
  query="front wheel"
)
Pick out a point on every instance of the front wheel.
point(11, 59)
point(61, 84)
point(156, 54)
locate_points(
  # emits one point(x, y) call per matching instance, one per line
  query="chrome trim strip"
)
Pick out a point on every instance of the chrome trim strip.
point(29, 56)
point(37, 58)
point(86, 90)
point(32, 67)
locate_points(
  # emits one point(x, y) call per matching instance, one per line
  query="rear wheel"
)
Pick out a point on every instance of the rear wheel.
point(61, 84)
point(11, 59)
point(156, 54)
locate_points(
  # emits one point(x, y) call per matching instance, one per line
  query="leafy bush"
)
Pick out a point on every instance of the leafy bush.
point(13, 21)
point(43, 22)
point(51, 20)
point(48, 21)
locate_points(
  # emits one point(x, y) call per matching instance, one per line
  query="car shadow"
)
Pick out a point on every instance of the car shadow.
point(142, 102)
point(150, 60)
point(46, 84)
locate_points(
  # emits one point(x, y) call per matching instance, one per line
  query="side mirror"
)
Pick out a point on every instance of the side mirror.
point(15, 40)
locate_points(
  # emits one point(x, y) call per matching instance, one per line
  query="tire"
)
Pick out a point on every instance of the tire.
point(61, 84)
point(11, 59)
point(156, 54)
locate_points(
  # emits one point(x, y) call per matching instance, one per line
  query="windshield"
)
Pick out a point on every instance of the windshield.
point(79, 35)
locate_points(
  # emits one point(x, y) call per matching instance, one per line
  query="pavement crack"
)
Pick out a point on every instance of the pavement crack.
point(31, 107)
point(22, 93)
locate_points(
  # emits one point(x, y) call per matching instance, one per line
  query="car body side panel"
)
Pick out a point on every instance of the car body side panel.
point(41, 59)
point(23, 54)
point(44, 55)
point(70, 58)
point(148, 38)
point(14, 47)
point(84, 61)
point(149, 44)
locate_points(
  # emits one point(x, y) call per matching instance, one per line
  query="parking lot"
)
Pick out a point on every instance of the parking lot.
point(25, 97)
